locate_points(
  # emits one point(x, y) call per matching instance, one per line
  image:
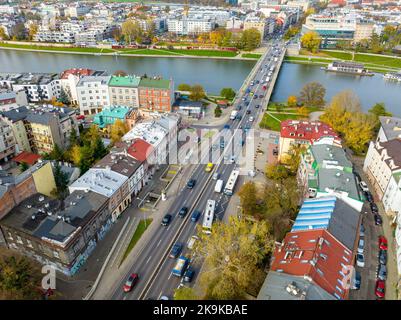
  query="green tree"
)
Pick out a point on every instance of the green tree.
point(197, 93)
point(217, 112)
point(61, 179)
point(312, 94)
point(64, 98)
point(250, 39)
point(292, 101)
point(184, 87)
point(291, 32)
point(276, 172)
point(131, 31)
point(23, 166)
point(118, 129)
point(311, 41)
point(56, 154)
point(74, 139)
point(32, 31)
point(227, 93)
point(249, 199)
point(235, 254)
point(3, 35)
point(185, 293)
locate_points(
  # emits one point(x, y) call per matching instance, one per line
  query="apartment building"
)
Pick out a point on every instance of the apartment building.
point(252, 22)
point(108, 183)
point(45, 34)
point(189, 26)
point(40, 228)
point(7, 143)
point(11, 99)
point(123, 90)
point(156, 94)
point(109, 115)
point(69, 79)
point(93, 94)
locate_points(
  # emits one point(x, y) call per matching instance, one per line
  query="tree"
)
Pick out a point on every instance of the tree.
point(117, 34)
point(303, 111)
point(3, 34)
point(18, 278)
point(311, 41)
point(75, 155)
point(74, 139)
point(64, 98)
point(120, 73)
point(23, 166)
point(61, 179)
point(249, 199)
point(32, 31)
point(185, 293)
point(250, 39)
point(379, 110)
point(184, 87)
point(118, 129)
point(276, 172)
point(292, 101)
point(312, 94)
point(291, 32)
point(227, 93)
point(131, 31)
point(197, 93)
point(217, 112)
point(56, 154)
point(235, 254)
point(18, 32)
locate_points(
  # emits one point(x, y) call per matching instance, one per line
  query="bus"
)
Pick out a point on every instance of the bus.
point(232, 180)
point(209, 216)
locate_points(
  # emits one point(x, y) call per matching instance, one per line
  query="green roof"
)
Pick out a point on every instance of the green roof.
point(397, 176)
point(154, 83)
point(109, 115)
point(127, 81)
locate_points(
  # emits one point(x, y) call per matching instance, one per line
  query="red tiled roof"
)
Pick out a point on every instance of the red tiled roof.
point(77, 72)
point(27, 157)
point(140, 149)
point(316, 254)
point(306, 130)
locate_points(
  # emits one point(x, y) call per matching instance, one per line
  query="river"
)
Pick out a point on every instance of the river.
point(213, 74)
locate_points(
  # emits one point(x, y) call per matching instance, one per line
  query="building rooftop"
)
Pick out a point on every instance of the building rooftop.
point(155, 83)
point(339, 181)
point(391, 127)
point(149, 131)
point(329, 156)
point(307, 130)
point(276, 285)
point(103, 181)
point(36, 78)
point(140, 150)
point(393, 152)
point(27, 157)
point(87, 79)
point(109, 115)
point(331, 214)
point(127, 81)
point(120, 162)
point(77, 72)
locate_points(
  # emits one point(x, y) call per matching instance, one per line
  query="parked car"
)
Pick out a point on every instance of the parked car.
point(363, 186)
point(369, 196)
point(248, 111)
point(361, 245)
point(382, 257)
point(195, 215)
point(189, 274)
point(191, 183)
point(378, 220)
point(250, 119)
point(356, 283)
point(261, 96)
point(380, 288)
point(360, 260)
point(361, 230)
point(226, 126)
point(183, 212)
point(381, 272)
point(166, 219)
point(373, 207)
point(130, 283)
point(383, 244)
point(191, 242)
point(176, 250)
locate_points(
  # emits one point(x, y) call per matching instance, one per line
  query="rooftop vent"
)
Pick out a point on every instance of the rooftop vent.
point(41, 198)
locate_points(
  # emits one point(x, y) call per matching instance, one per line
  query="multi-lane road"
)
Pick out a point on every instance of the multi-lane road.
point(153, 264)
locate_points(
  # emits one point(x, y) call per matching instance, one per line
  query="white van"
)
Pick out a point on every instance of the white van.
point(219, 186)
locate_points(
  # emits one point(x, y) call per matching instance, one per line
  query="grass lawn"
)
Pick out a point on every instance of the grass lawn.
point(148, 51)
point(142, 226)
point(39, 47)
point(378, 60)
point(306, 59)
point(269, 122)
point(251, 55)
point(338, 55)
point(205, 53)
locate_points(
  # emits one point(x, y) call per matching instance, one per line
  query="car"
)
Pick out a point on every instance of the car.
point(369, 197)
point(130, 283)
point(257, 81)
point(255, 96)
point(261, 96)
point(361, 245)
point(361, 230)
point(216, 176)
point(189, 274)
point(166, 219)
point(247, 126)
point(275, 152)
point(243, 99)
point(360, 260)
point(239, 107)
point(250, 119)
point(381, 272)
point(383, 244)
point(191, 183)
point(226, 126)
point(380, 288)
point(356, 283)
point(209, 167)
point(195, 215)
point(378, 220)
point(175, 250)
point(373, 207)
point(232, 159)
point(257, 106)
point(164, 298)
point(183, 212)
point(363, 186)
point(382, 257)
point(248, 111)
point(191, 242)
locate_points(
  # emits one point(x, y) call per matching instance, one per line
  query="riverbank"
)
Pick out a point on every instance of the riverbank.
point(158, 53)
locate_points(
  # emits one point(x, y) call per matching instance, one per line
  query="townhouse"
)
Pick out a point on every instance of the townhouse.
point(123, 90)
point(69, 79)
point(296, 133)
point(156, 94)
point(109, 115)
point(93, 94)
point(7, 143)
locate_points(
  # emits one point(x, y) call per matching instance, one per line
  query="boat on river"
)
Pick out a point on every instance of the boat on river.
point(348, 67)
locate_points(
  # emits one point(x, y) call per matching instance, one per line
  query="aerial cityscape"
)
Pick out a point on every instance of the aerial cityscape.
point(245, 150)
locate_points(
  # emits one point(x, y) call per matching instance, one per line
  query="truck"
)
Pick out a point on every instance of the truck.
point(233, 114)
point(218, 186)
point(181, 266)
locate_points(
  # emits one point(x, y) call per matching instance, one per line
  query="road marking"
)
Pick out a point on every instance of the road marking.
point(158, 244)
point(147, 261)
point(168, 228)
point(160, 294)
point(169, 276)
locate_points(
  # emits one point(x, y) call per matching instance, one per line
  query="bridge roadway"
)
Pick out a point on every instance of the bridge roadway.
point(153, 264)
